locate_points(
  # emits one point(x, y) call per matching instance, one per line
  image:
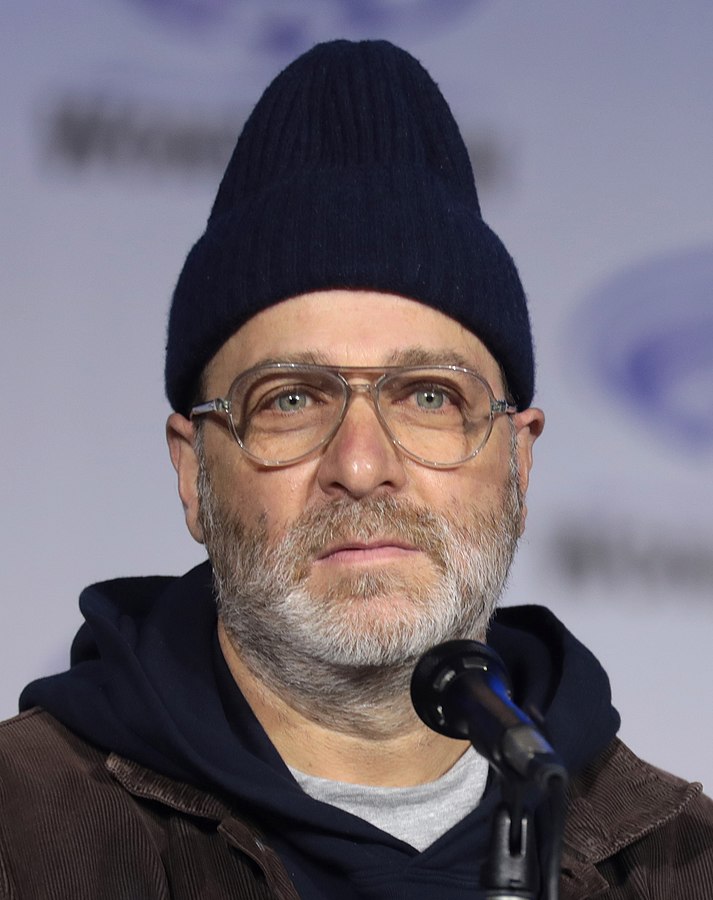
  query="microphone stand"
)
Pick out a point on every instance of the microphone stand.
point(461, 689)
point(511, 871)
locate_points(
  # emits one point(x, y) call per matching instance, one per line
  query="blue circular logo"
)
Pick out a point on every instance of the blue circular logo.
point(647, 337)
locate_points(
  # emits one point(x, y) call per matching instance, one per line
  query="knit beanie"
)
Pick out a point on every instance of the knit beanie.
point(349, 173)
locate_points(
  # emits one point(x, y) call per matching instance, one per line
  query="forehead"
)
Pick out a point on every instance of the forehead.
point(343, 328)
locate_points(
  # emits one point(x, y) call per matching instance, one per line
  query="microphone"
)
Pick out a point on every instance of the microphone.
point(461, 689)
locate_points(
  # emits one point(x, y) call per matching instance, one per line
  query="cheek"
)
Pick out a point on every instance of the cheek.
point(469, 499)
point(273, 497)
point(452, 492)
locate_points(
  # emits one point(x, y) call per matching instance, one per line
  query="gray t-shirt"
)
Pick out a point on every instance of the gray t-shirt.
point(418, 815)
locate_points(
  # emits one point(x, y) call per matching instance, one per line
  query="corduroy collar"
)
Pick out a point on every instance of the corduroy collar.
point(615, 801)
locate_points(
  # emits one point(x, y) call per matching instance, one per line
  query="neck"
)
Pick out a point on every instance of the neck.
point(393, 748)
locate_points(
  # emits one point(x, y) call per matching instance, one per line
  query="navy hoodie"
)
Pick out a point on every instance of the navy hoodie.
point(148, 681)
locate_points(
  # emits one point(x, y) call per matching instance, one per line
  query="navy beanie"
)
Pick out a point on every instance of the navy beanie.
point(349, 173)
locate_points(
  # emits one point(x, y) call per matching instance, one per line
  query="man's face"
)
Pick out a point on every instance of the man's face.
point(356, 556)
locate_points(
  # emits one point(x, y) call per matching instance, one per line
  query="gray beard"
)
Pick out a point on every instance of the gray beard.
point(343, 656)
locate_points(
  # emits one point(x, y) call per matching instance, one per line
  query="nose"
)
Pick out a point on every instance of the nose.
point(361, 459)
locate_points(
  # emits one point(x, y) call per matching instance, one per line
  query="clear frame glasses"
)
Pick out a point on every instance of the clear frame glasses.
point(440, 416)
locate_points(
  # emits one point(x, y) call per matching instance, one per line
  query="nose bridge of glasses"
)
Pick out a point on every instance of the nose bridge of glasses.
point(369, 391)
point(361, 387)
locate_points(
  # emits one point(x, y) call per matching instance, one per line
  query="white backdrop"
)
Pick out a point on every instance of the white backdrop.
point(592, 131)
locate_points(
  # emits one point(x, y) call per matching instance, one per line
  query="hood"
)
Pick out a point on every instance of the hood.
point(148, 681)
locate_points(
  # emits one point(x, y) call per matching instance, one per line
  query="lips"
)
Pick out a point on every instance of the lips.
point(379, 549)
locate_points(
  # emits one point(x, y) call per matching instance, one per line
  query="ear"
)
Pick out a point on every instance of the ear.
point(528, 427)
point(180, 434)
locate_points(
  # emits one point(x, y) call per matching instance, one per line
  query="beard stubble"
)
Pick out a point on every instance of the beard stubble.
point(342, 653)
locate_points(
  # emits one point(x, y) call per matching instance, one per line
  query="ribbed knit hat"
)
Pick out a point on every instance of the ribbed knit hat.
point(349, 173)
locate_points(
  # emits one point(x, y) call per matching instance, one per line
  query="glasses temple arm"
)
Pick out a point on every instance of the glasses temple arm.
point(218, 405)
point(502, 406)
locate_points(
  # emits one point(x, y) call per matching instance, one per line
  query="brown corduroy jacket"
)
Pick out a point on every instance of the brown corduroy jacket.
point(79, 824)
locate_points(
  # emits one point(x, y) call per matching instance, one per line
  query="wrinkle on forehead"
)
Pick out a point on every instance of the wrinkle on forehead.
point(351, 328)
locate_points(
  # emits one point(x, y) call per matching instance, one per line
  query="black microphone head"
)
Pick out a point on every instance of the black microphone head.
point(438, 668)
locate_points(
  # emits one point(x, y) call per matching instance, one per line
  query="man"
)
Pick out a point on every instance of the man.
point(350, 366)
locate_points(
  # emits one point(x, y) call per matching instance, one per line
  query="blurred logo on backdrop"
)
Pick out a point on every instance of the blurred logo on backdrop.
point(160, 108)
point(646, 338)
point(283, 26)
point(644, 341)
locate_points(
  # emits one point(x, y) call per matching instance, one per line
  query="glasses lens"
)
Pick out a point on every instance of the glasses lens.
point(440, 415)
point(280, 414)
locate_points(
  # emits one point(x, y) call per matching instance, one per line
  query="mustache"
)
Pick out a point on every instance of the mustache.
point(347, 520)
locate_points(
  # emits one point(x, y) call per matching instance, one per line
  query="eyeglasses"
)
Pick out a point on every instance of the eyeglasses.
point(280, 413)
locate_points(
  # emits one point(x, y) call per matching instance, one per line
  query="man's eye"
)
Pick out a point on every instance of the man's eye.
point(430, 398)
point(433, 397)
point(291, 401)
point(286, 399)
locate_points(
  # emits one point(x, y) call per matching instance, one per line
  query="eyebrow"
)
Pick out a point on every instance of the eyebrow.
point(408, 356)
point(420, 356)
